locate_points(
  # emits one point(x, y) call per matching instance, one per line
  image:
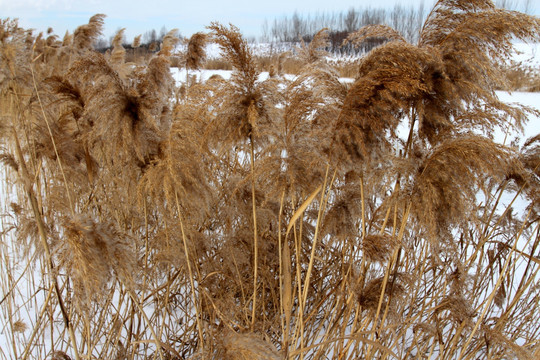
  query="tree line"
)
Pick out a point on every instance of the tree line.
point(407, 20)
point(298, 27)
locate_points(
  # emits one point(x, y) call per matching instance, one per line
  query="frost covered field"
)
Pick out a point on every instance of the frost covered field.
point(152, 212)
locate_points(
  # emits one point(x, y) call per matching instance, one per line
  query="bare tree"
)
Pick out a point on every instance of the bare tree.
point(350, 21)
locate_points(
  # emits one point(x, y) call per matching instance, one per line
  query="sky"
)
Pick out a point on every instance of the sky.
point(188, 17)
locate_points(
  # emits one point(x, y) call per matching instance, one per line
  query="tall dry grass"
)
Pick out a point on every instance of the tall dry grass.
point(269, 219)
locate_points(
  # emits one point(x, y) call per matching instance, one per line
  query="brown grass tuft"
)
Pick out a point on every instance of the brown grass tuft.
point(316, 49)
point(373, 32)
point(118, 53)
point(19, 326)
point(60, 355)
point(85, 35)
point(369, 297)
point(169, 42)
point(92, 252)
point(248, 346)
point(450, 175)
point(136, 41)
point(9, 160)
point(378, 248)
point(196, 53)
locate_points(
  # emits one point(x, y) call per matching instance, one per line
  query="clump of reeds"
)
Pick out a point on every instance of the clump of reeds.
point(316, 49)
point(94, 255)
point(269, 218)
point(196, 52)
point(85, 35)
point(118, 53)
point(248, 346)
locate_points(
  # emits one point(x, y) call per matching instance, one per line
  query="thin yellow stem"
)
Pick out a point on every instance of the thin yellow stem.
point(255, 238)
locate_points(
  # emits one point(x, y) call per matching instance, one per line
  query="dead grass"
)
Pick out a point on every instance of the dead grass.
point(247, 219)
point(522, 77)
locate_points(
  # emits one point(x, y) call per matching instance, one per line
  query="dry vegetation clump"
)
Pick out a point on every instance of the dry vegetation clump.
point(252, 218)
point(90, 252)
point(522, 77)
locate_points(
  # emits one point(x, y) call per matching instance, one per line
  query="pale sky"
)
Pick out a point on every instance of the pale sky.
point(188, 16)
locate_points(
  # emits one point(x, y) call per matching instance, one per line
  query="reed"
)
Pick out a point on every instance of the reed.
point(278, 218)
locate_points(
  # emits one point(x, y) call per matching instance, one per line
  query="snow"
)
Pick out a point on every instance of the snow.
point(532, 127)
point(527, 54)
